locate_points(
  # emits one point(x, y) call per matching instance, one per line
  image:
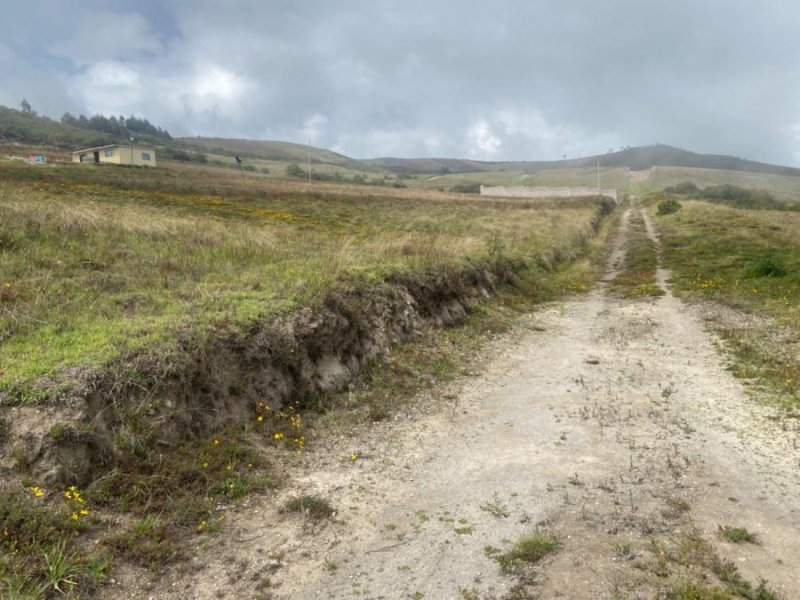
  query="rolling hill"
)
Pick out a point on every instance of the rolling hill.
point(636, 159)
point(274, 151)
point(18, 127)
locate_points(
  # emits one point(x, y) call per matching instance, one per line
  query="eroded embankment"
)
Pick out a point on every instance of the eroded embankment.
point(157, 401)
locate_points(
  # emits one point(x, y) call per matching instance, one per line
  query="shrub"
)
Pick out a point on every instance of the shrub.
point(668, 206)
point(683, 188)
point(739, 197)
point(607, 205)
point(466, 188)
point(295, 170)
point(769, 266)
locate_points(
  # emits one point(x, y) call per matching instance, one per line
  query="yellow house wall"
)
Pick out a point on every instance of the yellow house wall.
point(136, 159)
point(115, 159)
point(124, 155)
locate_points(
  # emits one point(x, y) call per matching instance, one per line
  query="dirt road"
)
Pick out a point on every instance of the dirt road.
point(612, 423)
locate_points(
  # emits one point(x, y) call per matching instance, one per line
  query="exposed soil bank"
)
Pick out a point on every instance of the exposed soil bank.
point(161, 401)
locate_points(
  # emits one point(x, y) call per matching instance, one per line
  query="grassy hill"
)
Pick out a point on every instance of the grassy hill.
point(28, 128)
point(635, 159)
point(273, 151)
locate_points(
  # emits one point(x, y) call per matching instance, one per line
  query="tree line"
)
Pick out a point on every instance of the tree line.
point(116, 126)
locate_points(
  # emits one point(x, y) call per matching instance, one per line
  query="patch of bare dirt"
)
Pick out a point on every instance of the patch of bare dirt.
point(613, 423)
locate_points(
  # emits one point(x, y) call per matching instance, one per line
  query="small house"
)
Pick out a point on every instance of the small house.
point(117, 154)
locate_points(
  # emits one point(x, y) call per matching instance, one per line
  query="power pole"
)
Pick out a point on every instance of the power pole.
point(309, 161)
point(598, 177)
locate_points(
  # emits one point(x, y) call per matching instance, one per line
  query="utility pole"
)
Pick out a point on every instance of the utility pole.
point(309, 161)
point(598, 177)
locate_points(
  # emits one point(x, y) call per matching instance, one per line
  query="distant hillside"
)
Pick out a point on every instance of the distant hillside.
point(661, 155)
point(637, 159)
point(26, 127)
point(29, 128)
point(268, 150)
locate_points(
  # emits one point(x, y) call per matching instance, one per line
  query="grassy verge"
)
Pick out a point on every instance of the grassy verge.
point(748, 261)
point(638, 276)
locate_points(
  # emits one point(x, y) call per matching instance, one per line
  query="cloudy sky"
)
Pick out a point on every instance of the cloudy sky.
point(507, 79)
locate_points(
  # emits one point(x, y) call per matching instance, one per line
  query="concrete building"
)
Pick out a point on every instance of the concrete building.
point(546, 192)
point(117, 154)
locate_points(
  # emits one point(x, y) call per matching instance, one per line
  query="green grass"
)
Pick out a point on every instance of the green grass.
point(637, 279)
point(616, 178)
point(748, 260)
point(737, 535)
point(695, 590)
point(100, 263)
point(712, 577)
point(528, 550)
point(50, 538)
point(42, 547)
point(315, 507)
point(784, 187)
point(147, 543)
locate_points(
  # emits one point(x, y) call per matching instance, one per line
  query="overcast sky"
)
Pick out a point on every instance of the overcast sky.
point(507, 79)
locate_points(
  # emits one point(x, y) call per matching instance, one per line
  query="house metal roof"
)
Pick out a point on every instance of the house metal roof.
point(113, 146)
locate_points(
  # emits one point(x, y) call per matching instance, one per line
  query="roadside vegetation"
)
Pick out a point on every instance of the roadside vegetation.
point(637, 278)
point(748, 261)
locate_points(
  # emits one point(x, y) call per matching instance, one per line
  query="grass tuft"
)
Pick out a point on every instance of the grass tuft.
point(529, 550)
point(737, 535)
point(147, 543)
point(312, 506)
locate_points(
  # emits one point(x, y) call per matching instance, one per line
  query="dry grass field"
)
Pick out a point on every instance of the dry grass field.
point(100, 261)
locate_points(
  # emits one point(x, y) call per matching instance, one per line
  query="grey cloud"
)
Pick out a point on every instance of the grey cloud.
point(512, 80)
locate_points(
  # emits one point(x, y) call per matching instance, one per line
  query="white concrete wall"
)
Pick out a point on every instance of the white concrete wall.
point(545, 192)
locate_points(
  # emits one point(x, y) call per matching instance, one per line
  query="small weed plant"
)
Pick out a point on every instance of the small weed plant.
point(315, 507)
point(737, 535)
point(529, 550)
